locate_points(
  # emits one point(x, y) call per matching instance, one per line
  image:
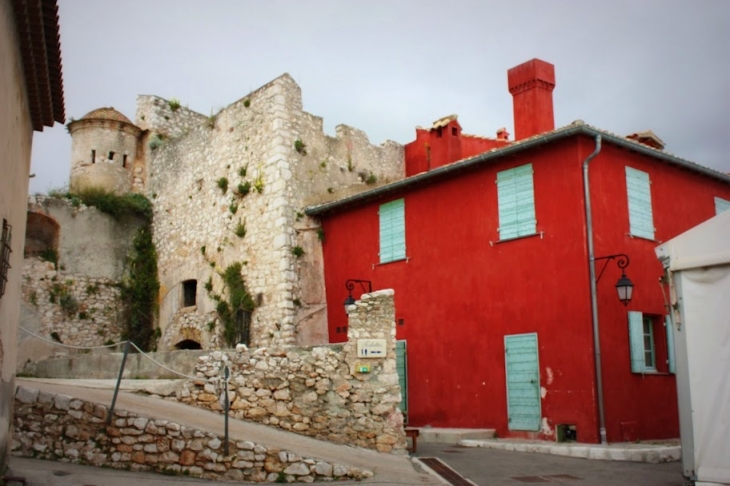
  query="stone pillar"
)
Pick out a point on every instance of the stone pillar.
point(373, 317)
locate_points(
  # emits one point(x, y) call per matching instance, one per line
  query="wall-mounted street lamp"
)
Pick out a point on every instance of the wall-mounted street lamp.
point(365, 285)
point(624, 286)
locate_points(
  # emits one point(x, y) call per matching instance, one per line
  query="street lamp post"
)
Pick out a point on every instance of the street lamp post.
point(624, 286)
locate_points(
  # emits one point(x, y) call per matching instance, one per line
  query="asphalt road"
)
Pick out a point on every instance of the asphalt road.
point(486, 467)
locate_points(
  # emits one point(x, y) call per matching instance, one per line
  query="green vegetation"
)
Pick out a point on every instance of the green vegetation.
point(247, 102)
point(155, 142)
point(139, 291)
point(258, 184)
point(320, 234)
point(297, 251)
point(300, 147)
point(233, 208)
point(371, 179)
point(242, 171)
point(50, 255)
point(202, 250)
point(240, 230)
point(112, 204)
point(350, 167)
point(222, 184)
point(243, 188)
point(239, 300)
point(174, 104)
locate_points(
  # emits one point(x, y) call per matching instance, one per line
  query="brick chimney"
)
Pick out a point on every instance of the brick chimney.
point(531, 85)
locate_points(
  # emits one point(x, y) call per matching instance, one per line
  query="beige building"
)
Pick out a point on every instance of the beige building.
point(31, 97)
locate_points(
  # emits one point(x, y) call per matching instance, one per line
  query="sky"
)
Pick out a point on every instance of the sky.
point(386, 67)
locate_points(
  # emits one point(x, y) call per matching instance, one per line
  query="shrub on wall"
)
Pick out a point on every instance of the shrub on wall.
point(112, 204)
point(139, 291)
point(239, 303)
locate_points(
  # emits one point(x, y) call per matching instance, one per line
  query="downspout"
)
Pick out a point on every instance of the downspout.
point(594, 298)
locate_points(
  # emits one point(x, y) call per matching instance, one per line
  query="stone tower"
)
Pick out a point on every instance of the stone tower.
point(104, 149)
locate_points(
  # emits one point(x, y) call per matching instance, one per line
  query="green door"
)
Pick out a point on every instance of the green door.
point(523, 381)
point(401, 364)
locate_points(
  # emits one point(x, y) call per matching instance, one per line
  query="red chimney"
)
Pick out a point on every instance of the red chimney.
point(531, 85)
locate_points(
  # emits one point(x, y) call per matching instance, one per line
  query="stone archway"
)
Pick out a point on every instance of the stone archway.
point(188, 344)
point(41, 234)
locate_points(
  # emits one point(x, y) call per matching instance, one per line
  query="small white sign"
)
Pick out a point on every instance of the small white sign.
point(371, 348)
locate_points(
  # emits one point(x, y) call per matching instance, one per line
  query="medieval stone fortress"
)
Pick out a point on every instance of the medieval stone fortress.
point(227, 191)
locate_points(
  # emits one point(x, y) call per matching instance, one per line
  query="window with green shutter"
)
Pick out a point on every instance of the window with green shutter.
point(641, 219)
point(721, 205)
point(644, 332)
point(516, 202)
point(392, 231)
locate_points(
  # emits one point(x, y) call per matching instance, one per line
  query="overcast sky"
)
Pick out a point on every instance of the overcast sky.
point(387, 66)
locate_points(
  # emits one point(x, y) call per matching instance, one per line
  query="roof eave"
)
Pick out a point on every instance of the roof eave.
point(494, 154)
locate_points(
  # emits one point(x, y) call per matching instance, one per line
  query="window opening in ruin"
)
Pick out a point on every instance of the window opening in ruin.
point(124, 161)
point(111, 155)
point(93, 156)
point(188, 344)
point(190, 288)
point(243, 327)
point(5, 255)
point(453, 131)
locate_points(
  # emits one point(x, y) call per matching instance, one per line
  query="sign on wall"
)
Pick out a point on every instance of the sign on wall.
point(371, 348)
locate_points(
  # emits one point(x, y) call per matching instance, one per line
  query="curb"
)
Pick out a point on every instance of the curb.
point(639, 453)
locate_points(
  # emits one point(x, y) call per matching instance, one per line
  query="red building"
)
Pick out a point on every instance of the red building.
point(490, 259)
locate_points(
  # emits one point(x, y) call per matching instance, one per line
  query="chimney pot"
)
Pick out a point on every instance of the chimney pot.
point(531, 85)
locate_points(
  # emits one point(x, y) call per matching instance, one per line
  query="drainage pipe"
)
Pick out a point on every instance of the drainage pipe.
point(594, 297)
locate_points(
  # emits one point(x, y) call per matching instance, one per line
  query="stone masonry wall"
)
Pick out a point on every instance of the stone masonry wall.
point(59, 427)
point(315, 391)
point(79, 310)
point(251, 144)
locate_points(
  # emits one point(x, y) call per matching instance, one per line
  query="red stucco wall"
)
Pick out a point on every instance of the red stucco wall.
point(460, 291)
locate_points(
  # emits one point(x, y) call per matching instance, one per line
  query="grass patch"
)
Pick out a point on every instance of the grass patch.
point(297, 251)
point(174, 104)
point(50, 255)
point(112, 204)
point(300, 147)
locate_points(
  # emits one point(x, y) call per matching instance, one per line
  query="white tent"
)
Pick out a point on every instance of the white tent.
point(698, 267)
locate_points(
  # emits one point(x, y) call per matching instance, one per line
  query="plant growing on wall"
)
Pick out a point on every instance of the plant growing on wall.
point(243, 189)
point(233, 208)
point(139, 291)
point(222, 184)
point(114, 205)
point(240, 302)
point(247, 102)
point(371, 179)
point(300, 147)
point(155, 142)
point(240, 230)
point(174, 104)
point(297, 251)
point(242, 171)
point(258, 184)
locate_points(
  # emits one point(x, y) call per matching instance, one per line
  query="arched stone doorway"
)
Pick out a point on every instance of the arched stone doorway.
point(188, 344)
point(41, 234)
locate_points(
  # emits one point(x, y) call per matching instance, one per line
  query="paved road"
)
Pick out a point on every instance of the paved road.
point(487, 467)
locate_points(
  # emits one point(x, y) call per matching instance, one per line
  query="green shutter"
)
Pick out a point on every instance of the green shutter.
point(721, 205)
point(516, 202)
point(392, 231)
point(401, 364)
point(636, 341)
point(641, 220)
point(523, 382)
point(670, 344)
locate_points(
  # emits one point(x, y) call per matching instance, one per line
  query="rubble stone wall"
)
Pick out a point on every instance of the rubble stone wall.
point(317, 391)
point(59, 427)
point(75, 309)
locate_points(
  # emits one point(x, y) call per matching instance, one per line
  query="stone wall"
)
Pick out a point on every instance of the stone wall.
point(198, 222)
point(90, 243)
point(59, 427)
point(79, 310)
point(316, 391)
